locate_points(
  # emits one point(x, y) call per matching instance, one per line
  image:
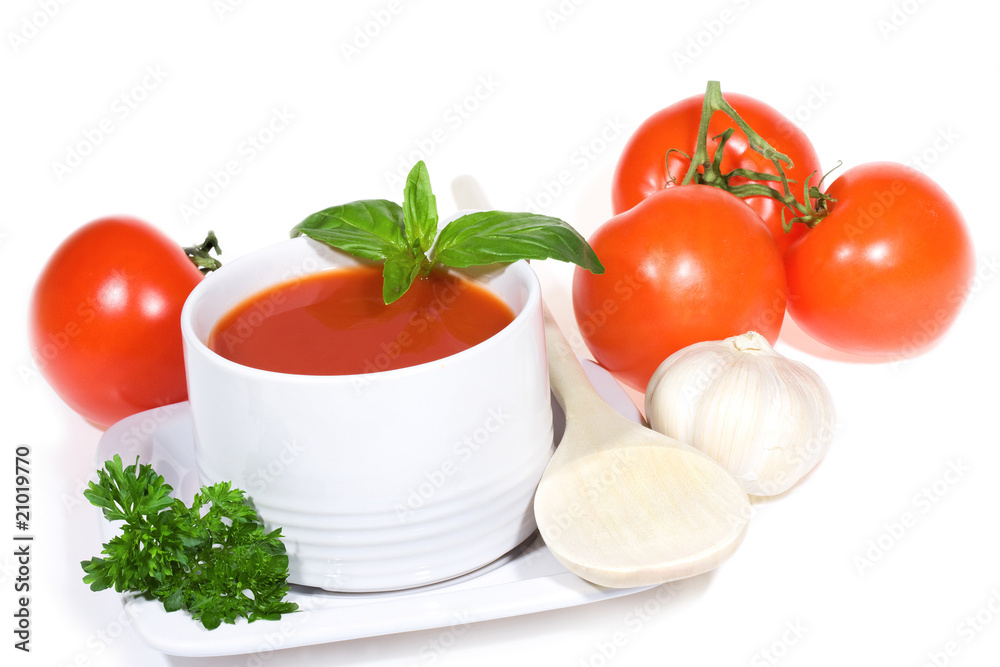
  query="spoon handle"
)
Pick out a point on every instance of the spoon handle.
point(567, 378)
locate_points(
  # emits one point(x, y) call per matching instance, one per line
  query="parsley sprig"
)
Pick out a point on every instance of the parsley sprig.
point(214, 559)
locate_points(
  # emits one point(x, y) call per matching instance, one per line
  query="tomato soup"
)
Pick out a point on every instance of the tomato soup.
point(335, 323)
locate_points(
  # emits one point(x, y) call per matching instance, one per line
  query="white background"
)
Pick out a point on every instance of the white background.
point(536, 83)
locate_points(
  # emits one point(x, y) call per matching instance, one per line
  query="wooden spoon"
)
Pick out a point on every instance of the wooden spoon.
point(622, 505)
point(619, 504)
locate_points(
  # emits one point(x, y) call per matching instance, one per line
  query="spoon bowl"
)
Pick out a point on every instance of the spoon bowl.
point(621, 505)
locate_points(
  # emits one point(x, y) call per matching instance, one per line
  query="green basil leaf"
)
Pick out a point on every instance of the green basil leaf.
point(495, 236)
point(420, 217)
point(372, 228)
point(398, 274)
point(406, 237)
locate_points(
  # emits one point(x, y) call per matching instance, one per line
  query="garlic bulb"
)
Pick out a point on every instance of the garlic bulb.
point(766, 418)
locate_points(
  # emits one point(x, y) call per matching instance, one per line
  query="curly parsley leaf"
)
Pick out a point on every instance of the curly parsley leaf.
point(214, 559)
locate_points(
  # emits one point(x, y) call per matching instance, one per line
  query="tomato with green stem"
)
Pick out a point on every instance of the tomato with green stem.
point(684, 265)
point(681, 144)
point(882, 261)
point(887, 266)
point(104, 320)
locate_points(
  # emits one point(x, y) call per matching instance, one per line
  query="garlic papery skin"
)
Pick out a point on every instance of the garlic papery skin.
point(766, 418)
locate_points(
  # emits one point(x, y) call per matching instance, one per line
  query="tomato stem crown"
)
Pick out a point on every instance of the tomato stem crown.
point(199, 254)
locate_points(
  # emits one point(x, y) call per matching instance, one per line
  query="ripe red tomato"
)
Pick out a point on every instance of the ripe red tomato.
point(684, 265)
point(104, 321)
point(887, 270)
point(644, 166)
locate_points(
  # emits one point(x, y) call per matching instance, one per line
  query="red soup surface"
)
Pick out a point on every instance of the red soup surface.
point(335, 323)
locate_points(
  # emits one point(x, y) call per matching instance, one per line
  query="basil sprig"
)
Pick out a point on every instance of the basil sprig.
point(406, 237)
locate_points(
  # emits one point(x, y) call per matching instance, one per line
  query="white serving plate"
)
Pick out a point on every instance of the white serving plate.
point(528, 579)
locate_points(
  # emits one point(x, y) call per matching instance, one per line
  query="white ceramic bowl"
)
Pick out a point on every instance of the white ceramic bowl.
point(382, 481)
